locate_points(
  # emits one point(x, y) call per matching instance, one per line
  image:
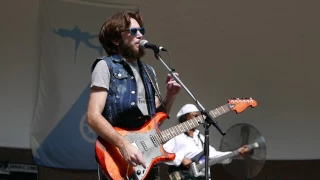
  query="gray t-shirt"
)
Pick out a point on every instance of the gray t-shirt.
point(101, 78)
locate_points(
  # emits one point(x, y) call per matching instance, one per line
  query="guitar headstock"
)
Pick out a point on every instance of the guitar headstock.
point(239, 105)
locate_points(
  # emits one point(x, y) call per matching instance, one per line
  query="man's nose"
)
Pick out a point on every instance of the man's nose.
point(139, 35)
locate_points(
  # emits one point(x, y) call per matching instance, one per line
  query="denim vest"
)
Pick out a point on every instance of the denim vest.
point(121, 108)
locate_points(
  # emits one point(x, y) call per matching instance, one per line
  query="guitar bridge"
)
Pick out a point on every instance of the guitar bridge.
point(175, 176)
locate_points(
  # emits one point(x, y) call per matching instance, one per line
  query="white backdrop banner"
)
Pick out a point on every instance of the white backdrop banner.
point(60, 135)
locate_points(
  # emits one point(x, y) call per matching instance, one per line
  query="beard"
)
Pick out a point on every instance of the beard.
point(127, 50)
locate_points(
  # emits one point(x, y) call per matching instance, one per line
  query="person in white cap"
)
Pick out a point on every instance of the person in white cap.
point(188, 146)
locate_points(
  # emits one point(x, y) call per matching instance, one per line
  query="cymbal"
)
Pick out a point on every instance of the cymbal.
point(250, 164)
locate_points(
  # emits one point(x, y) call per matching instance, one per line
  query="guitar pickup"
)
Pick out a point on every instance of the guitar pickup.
point(144, 145)
point(154, 141)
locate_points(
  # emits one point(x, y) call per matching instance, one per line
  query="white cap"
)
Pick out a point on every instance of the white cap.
point(188, 108)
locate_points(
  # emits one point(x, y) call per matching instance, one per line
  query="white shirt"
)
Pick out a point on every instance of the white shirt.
point(186, 146)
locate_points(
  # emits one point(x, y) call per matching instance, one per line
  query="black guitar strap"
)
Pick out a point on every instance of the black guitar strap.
point(198, 156)
point(155, 86)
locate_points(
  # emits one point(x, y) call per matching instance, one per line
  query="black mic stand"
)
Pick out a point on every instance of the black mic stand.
point(208, 118)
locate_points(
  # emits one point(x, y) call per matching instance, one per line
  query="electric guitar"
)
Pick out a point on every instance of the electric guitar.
point(197, 168)
point(149, 139)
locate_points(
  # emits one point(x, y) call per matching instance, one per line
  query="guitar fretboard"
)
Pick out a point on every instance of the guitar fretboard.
point(218, 160)
point(222, 158)
point(174, 131)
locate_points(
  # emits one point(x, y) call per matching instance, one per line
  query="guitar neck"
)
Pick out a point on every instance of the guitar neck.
point(224, 157)
point(218, 160)
point(174, 131)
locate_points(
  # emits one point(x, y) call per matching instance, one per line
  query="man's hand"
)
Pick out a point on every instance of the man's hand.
point(244, 149)
point(132, 154)
point(186, 162)
point(173, 88)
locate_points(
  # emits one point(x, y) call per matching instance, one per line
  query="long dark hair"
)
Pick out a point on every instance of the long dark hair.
point(112, 28)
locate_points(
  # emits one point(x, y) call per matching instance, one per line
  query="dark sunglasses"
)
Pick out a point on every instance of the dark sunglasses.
point(134, 31)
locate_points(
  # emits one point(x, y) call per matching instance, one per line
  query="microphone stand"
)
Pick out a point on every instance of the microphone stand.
point(208, 118)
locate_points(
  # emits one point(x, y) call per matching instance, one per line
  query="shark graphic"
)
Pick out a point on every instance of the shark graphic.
point(79, 36)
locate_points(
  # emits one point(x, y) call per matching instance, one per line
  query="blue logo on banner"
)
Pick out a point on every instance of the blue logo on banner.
point(71, 143)
point(79, 36)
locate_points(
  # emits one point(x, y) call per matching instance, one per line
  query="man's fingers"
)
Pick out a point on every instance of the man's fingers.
point(133, 164)
point(168, 78)
point(144, 164)
point(140, 160)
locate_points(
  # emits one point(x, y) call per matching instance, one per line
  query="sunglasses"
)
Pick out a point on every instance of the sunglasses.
point(134, 31)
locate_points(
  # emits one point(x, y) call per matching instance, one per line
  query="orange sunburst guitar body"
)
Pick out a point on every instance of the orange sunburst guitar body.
point(112, 162)
point(149, 139)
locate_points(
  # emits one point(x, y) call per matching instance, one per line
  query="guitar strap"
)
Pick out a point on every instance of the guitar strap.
point(198, 156)
point(155, 86)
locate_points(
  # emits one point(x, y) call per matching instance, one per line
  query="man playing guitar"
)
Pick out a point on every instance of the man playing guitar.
point(188, 147)
point(123, 89)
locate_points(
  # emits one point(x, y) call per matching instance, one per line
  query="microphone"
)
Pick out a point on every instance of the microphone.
point(146, 45)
